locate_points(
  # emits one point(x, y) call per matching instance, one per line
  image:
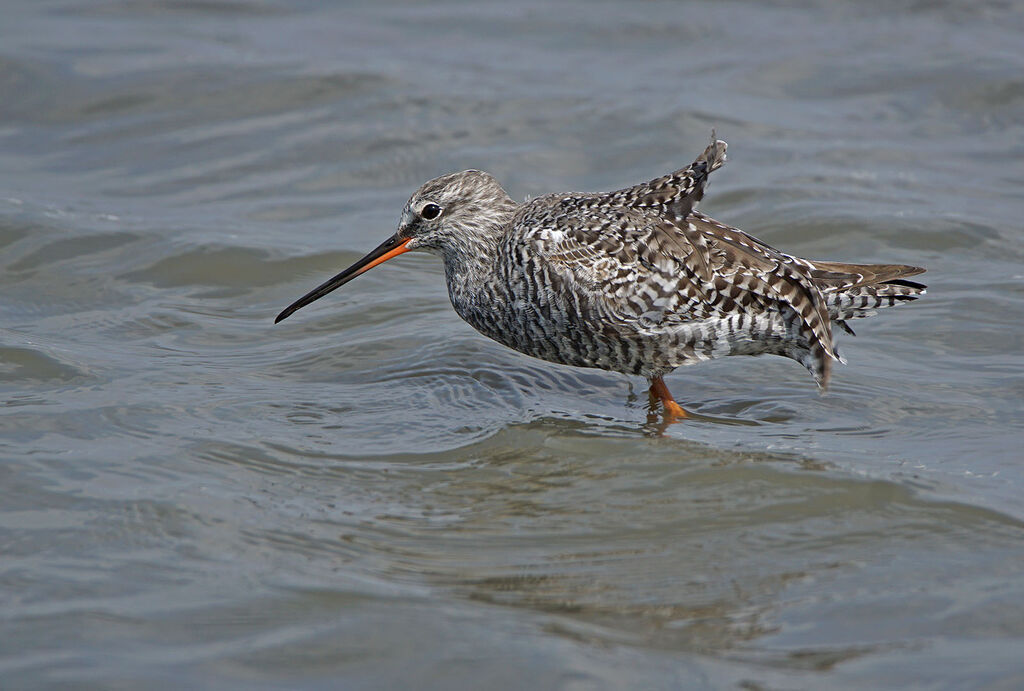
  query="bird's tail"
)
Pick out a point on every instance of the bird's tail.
point(853, 291)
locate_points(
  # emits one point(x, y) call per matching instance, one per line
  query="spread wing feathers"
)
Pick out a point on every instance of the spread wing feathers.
point(638, 266)
point(600, 237)
point(675, 194)
point(643, 258)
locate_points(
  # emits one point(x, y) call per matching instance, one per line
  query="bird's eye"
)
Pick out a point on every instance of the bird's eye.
point(430, 211)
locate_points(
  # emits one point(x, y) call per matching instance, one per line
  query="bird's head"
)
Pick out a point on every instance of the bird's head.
point(452, 211)
point(448, 215)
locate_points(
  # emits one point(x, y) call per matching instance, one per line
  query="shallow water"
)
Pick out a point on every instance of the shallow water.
point(373, 495)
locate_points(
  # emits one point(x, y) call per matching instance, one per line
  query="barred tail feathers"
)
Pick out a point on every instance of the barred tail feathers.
point(866, 288)
point(852, 291)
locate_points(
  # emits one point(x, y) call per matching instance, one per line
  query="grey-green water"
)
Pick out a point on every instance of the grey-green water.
point(371, 495)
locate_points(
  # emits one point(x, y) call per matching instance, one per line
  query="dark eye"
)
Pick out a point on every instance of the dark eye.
point(430, 211)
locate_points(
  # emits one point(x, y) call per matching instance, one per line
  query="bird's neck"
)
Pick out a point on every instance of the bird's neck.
point(473, 271)
point(472, 264)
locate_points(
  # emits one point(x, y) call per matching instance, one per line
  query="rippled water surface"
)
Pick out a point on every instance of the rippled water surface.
point(372, 495)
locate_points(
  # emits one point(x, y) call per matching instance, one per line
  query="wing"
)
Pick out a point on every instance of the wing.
point(640, 269)
point(644, 255)
point(674, 195)
point(839, 276)
point(628, 269)
point(754, 273)
point(606, 242)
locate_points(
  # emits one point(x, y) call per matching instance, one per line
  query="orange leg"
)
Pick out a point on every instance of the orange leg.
point(673, 410)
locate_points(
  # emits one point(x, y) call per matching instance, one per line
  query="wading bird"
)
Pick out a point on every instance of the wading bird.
point(634, 281)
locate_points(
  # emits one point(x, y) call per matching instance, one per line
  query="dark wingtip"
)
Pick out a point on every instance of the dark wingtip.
point(906, 284)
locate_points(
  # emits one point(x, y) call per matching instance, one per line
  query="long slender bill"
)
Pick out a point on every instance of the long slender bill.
point(392, 247)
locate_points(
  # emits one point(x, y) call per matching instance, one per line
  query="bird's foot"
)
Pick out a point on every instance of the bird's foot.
point(673, 412)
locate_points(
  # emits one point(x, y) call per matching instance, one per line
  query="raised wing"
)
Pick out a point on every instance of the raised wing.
point(640, 266)
point(674, 195)
point(608, 242)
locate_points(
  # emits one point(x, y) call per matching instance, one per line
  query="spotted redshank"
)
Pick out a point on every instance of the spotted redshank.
point(634, 281)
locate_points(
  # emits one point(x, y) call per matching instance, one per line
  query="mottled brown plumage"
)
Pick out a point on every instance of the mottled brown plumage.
point(634, 281)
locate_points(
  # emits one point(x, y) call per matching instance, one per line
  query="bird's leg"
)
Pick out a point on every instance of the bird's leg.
point(672, 409)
